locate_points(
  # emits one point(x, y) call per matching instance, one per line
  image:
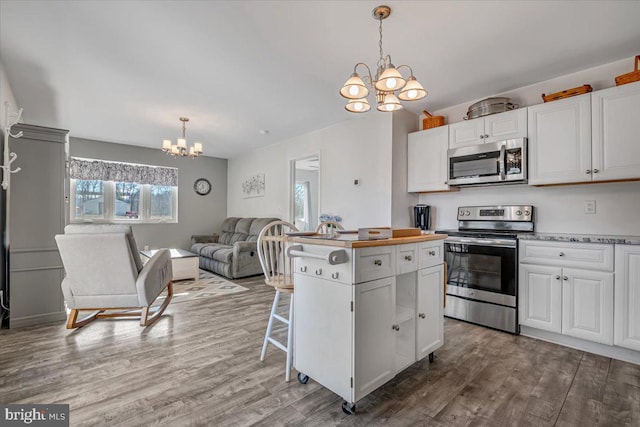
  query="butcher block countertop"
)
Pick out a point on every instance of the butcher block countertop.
point(351, 240)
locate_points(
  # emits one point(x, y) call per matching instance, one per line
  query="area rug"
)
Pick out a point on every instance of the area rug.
point(208, 285)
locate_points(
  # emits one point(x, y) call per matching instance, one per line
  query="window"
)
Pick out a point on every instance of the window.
point(122, 192)
point(301, 208)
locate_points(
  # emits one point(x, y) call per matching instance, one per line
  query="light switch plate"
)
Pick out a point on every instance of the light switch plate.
point(590, 206)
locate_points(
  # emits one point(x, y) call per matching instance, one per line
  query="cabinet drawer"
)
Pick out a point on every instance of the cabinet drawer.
point(430, 254)
point(590, 256)
point(374, 263)
point(340, 273)
point(407, 258)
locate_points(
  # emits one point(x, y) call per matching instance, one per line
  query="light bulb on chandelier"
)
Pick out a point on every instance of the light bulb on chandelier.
point(386, 82)
point(180, 148)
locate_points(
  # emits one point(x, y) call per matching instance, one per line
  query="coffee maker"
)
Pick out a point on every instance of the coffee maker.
point(421, 216)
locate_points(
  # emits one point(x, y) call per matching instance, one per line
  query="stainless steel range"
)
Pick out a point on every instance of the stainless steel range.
point(482, 264)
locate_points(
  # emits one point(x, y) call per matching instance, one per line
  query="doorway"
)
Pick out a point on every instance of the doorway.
point(305, 192)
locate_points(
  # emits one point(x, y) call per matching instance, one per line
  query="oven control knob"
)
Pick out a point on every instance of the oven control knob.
point(518, 212)
point(527, 213)
point(467, 213)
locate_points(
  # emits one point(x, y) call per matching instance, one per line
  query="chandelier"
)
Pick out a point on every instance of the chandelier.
point(387, 82)
point(180, 149)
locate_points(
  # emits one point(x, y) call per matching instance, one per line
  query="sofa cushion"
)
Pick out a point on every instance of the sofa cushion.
point(209, 250)
point(227, 231)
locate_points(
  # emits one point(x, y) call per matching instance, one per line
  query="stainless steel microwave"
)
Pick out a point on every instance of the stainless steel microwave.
point(492, 163)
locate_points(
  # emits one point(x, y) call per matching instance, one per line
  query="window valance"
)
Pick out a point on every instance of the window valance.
point(90, 169)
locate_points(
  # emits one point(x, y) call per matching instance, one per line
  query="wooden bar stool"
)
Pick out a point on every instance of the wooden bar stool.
point(278, 272)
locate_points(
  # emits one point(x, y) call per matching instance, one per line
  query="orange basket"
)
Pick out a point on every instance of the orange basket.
point(430, 122)
point(631, 77)
point(567, 93)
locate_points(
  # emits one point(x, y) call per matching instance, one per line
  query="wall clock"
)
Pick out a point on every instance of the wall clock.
point(202, 186)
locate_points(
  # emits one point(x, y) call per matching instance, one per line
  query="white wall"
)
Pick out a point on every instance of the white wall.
point(402, 202)
point(355, 149)
point(6, 95)
point(600, 77)
point(559, 209)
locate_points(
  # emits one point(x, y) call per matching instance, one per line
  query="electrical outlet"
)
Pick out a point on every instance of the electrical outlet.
point(590, 206)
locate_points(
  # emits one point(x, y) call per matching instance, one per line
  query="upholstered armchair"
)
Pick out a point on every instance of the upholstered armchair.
point(104, 272)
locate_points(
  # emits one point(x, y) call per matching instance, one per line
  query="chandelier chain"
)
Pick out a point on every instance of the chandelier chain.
point(381, 60)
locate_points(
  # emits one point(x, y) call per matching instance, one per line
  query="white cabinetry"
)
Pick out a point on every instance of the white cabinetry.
point(616, 130)
point(427, 160)
point(429, 327)
point(375, 315)
point(562, 290)
point(591, 137)
point(560, 141)
point(354, 335)
point(493, 128)
point(627, 297)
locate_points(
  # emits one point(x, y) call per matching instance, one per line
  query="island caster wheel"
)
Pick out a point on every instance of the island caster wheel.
point(302, 378)
point(431, 357)
point(348, 408)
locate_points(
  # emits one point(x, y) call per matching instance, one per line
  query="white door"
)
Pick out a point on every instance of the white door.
point(540, 298)
point(430, 327)
point(507, 125)
point(560, 141)
point(627, 297)
point(587, 305)
point(616, 130)
point(427, 160)
point(468, 132)
point(375, 315)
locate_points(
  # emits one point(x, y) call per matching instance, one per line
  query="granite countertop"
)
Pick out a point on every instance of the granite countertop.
point(581, 238)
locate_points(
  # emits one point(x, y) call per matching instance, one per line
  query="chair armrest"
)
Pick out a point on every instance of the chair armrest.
point(204, 238)
point(244, 247)
point(154, 276)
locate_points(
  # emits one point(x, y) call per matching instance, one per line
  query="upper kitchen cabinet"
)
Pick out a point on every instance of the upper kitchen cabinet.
point(616, 133)
point(560, 141)
point(427, 160)
point(587, 138)
point(493, 128)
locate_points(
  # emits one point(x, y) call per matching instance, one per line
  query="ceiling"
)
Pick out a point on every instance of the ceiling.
point(125, 71)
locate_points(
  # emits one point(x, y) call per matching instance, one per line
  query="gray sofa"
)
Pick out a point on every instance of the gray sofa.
point(232, 253)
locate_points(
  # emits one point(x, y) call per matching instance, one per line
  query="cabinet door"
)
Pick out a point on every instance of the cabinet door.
point(587, 305)
point(507, 125)
point(540, 299)
point(430, 314)
point(627, 297)
point(560, 141)
point(616, 148)
point(375, 314)
point(427, 160)
point(468, 132)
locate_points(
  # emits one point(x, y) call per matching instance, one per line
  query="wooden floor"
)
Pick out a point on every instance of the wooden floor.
point(199, 365)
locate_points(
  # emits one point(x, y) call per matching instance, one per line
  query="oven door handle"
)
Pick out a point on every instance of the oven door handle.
point(501, 243)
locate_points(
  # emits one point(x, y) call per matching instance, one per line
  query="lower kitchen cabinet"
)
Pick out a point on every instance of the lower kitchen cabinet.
point(541, 297)
point(577, 302)
point(429, 301)
point(587, 305)
point(627, 297)
point(375, 318)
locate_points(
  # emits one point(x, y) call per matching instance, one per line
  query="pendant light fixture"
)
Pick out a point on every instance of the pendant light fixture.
point(180, 148)
point(386, 83)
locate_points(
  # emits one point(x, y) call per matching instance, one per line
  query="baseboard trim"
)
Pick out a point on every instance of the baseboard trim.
point(613, 352)
point(37, 319)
